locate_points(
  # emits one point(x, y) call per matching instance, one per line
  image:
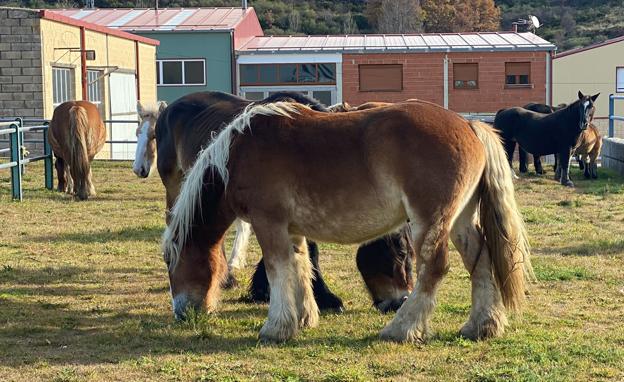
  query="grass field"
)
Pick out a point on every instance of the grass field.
point(84, 296)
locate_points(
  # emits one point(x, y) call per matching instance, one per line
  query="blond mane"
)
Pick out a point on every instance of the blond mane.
point(215, 157)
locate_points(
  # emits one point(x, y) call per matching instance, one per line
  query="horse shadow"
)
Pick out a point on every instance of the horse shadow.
point(141, 233)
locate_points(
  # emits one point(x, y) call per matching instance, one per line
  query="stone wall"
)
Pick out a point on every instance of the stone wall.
point(21, 93)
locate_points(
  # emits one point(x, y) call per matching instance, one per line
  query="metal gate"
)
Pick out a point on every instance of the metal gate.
point(123, 101)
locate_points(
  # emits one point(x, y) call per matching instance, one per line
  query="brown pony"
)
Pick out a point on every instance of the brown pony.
point(454, 183)
point(588, 150)
point(76, 134)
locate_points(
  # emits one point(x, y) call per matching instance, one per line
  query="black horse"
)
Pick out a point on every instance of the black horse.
point(544, 134)
point(522, 154)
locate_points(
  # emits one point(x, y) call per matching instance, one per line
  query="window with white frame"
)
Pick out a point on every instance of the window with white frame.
point(619, 80)
point(94, 86)
point(172, 72)
point(61, 85)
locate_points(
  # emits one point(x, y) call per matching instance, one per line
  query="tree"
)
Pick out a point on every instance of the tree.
point(395, 16)
point(460, 15)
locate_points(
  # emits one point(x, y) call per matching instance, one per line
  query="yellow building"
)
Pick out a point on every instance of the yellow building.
point(47, 59)
point(594, 69)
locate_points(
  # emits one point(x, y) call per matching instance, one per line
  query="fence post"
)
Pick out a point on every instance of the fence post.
point(20, 121)
point(47, 162)
point(611, 114)
point(16, 156)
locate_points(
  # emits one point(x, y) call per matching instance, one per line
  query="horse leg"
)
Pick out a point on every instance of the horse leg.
point(281, 268)
point(537, 162)
point(487, 313)
point(510, 147)
point(557, 167)
point(522, 157)
point(581, 162)
point(90, 186)
point(229, 281)
point(259, 290)
point(307, 308)
point(411, 322)
point(587, 170)
point(69, 180)
point(564, 161)
point(326, 300)
point(239, 250)
point(59, 164)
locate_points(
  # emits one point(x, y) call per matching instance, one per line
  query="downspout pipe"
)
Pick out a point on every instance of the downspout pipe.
point(83, 65)
point(446, 80)
point(233, 64)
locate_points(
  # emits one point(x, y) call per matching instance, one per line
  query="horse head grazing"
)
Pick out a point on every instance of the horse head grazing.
point(192, 241)
point(145, 156)
point(586, 109)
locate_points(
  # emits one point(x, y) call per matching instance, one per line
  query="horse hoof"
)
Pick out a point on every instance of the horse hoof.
point(330, 303)
point(569, 183)
point(230, 282)
point(392, 334)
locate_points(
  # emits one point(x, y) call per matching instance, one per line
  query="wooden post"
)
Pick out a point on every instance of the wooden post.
point(83, 64)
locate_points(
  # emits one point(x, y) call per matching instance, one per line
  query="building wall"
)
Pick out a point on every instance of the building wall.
point(214, 47)
point(20, 64)
point(591, 71)
point(423, 78)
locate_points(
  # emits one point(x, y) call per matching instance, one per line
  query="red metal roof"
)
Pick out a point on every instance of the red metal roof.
point(164, 19)
point(55, 16)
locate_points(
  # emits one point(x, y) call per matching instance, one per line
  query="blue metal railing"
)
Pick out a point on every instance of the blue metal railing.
point(15, 130)
point(612, 116)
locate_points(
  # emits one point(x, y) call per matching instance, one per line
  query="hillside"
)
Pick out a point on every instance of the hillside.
point(568, 23)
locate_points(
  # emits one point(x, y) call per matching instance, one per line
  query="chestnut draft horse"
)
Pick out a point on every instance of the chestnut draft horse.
point(347, 178)
point(76, 134)
point(385, 264)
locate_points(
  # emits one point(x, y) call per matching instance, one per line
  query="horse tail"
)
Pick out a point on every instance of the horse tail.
point(79, 159)
point(500, 219)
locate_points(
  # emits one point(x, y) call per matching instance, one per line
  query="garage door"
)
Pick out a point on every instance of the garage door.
point(123, 100)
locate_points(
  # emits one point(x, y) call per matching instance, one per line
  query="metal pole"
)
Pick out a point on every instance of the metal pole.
point(611, 114)
point(47, 163)
point(16, 173)
point(20, 121)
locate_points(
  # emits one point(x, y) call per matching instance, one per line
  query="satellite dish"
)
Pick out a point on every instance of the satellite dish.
point(535, 23)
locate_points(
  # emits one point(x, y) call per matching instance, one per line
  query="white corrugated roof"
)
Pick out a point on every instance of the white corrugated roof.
point(450, 42)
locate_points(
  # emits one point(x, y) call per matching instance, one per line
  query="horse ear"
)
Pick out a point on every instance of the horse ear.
point(139, 108)
point(162, 106)
point(580, 95)
point(594, 97)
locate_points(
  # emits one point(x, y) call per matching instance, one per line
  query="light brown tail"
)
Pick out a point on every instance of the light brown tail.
point(502, 224)
point(79, 157)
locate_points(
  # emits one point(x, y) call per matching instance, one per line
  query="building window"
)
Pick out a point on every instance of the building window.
point(619, 80)
point(180, 72)
point(287, 74)
point(381, 78)
point(465, 76)
point(517, 73)
point(62, 85)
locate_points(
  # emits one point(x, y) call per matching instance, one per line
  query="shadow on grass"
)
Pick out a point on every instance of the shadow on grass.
point(146, 233)
point(590, 248)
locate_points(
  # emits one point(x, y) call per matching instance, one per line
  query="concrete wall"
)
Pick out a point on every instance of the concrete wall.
point(613, 154)
point(20, 64)
point(591, 71)
point(214, 47)
point(423, 78)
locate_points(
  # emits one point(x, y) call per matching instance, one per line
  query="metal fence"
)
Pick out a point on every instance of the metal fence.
point(15, 129)
point(612, 116)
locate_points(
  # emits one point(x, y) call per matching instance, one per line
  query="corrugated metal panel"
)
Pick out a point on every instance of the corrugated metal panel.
point(163, 19)
point(422, 42)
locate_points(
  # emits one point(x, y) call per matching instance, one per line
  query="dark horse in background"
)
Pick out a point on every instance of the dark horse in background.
point(188, 124)
point(522, 154)
point(543, 134)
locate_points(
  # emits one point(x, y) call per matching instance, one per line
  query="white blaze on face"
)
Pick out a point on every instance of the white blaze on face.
point(140, 158)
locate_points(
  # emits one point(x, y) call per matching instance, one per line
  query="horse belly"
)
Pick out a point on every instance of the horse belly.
point(349, 219)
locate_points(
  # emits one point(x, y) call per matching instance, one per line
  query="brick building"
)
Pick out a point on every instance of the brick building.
point(467, 73)
point(47, 59)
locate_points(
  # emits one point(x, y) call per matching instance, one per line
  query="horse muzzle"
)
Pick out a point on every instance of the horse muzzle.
point(142, 172)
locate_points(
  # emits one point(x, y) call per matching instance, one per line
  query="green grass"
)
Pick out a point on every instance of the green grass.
point(84, 297)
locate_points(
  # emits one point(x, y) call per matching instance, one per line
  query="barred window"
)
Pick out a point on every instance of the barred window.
point(61, 85)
